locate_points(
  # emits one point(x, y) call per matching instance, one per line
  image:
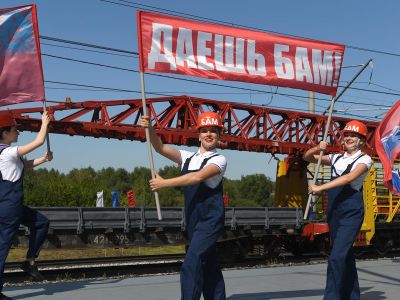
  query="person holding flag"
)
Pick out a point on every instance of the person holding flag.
point(201, 178)
point(345, 208)
point(13, 212)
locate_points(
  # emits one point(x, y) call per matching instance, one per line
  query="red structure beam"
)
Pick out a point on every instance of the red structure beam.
point(248, 127)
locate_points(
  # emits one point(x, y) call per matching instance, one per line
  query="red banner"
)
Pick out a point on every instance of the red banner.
point(21, 76)
point(175, 45)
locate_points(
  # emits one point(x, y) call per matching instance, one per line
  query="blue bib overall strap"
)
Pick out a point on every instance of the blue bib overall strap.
point(333, 169)
point(13, 213)
point(205, 216)
point(345, 217)
point(348, 168)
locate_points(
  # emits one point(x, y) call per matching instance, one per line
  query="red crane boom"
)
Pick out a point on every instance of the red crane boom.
point(248, 127)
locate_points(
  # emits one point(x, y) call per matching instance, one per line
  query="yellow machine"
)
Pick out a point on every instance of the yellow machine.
point(291, 183)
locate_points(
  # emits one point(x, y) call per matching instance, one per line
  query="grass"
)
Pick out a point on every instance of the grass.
point(18, 254)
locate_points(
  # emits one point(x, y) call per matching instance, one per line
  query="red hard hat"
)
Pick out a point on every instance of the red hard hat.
point(356, 127)
point(7, 119)
point(209, 119)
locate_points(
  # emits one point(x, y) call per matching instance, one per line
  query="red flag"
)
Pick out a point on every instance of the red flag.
point(387, 144)
point(21, 75)
point(175, 45)
point(131, 198)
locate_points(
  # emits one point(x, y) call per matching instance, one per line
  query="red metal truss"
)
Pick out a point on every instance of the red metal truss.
point(248, 127)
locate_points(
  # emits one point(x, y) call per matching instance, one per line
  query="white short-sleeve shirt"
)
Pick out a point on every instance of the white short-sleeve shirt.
point(342, 163)
point(11, 165)
point(196, 161)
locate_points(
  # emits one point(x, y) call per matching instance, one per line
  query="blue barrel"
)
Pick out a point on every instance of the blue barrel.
point(114, 199)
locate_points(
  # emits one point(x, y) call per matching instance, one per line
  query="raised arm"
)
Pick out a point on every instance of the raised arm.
point(158, 145)
point(30, 164)
point(312, 156)
point(40, 137)
point(340, 181)
point(185, 180)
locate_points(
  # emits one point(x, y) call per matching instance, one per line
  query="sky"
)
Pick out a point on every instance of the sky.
point(360, 25)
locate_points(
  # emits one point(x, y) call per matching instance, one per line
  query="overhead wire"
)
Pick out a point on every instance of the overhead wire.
point(49, 38)
point(164, 94)
point(174, 12)
point(177, 13)
point(172, 77)
point(103, 88)
point(120, 90)
point(136, 53)
point(159, 93)
point(89, 50)
point(196, 81)
point(138, 92)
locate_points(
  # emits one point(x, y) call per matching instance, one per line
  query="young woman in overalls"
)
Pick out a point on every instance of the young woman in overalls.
point(201, 178)
point(345, 209)
point(13, 212)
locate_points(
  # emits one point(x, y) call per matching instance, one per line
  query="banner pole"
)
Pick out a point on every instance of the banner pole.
point(334, 99)
point(47, 134)
point(150, 152)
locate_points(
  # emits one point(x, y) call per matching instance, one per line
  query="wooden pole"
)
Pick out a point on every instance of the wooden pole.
point(149, 150)
point(47, 134)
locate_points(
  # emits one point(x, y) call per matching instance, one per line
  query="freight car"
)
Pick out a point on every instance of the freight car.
point(268, 231)
point(246, 229)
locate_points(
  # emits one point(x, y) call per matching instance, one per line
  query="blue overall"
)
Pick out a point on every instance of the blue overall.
point(345, 217)
point(13, 213)
point(205, 216)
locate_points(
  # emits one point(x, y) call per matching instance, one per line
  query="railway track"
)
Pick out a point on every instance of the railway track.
point(105, 267)
point(70, 269)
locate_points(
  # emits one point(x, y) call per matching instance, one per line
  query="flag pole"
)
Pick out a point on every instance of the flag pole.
point(150, 152)
point(47, 134)
point(310, 203)
point(39, 53)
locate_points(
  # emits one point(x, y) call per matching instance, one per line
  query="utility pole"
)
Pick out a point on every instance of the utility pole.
point(311, 103)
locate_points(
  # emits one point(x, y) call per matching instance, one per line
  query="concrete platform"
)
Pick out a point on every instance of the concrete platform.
point(379, 279)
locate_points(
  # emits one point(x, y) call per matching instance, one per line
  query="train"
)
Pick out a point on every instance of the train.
point(268, 232)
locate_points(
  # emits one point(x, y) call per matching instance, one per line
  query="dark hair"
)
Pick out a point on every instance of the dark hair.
point(4, 129)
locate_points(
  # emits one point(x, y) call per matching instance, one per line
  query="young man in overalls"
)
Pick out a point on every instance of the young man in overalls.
point(345, 209)
point(201, 178)
point(13, 212)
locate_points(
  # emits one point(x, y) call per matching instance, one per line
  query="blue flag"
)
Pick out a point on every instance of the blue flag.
point(21, 76)
point(387, 144)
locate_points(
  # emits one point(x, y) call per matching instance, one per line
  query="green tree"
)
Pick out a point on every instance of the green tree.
point(257, 188)
point(171, 196)
point(79, 187)
point(144, 195)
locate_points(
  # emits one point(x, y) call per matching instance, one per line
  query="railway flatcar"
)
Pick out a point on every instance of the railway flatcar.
point(261, 231)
